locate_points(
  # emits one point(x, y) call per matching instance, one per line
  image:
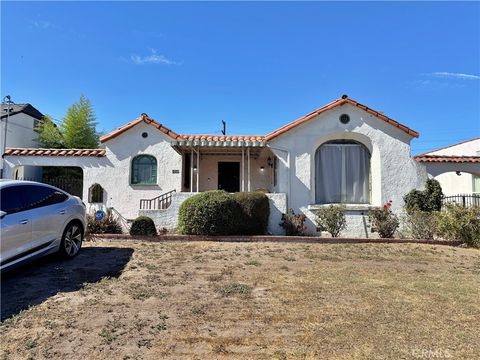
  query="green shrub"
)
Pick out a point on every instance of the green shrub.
point(210, 213)
point(427, 200)
point(420, 224)
point(143, 226)
point(294, 224)
point(459, 223)
point(220, 213)
point(110, 224)
point(332, 219)
point(255, 212)
point(384, 221)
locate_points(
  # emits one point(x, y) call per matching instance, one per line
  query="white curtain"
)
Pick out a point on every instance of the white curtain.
point(328, 174)
point(342, 173)
point(357, 166)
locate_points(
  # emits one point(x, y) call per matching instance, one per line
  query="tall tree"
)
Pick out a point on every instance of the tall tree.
point(78, 126)
point(49, 135)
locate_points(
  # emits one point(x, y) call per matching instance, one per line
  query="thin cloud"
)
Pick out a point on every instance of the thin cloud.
point(460, 76)
point(153, 58)
point(42, 24)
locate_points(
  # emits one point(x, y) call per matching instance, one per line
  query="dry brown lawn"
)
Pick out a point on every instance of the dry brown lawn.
point(138, 300)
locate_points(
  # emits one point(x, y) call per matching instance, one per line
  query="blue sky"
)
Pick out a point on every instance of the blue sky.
point(256, 65)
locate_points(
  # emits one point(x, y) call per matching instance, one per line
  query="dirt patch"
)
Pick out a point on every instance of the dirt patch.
point(137, 300)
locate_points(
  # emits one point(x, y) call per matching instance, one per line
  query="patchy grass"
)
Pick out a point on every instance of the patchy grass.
point(137, 300)
point(235, 288)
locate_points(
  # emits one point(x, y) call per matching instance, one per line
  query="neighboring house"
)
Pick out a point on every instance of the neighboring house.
point(20, 128)
point(456, 182)
point(343, 152)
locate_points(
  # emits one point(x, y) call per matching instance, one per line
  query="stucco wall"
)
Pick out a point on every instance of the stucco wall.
point(393, 171)
point(167, 218)
point(468, 148)
point(453, 184)
point(278, 206)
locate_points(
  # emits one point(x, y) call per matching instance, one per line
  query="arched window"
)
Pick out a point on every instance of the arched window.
point(95, 194)
point(144, 170)
point(342, 173)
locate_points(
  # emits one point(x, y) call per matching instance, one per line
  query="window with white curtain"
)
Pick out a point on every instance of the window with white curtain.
point(476, 184)
point(342, 173)
point(144, 170)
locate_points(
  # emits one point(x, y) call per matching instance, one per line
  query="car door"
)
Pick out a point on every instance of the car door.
point(49, 213)
point(16, 224)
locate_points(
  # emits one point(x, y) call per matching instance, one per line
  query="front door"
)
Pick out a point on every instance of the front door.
point(229, 176)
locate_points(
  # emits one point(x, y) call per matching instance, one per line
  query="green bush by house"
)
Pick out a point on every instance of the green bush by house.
point(428, 200)
point(219, 213)
point(143, 226)
point(255, 212)
point(332, 219)
point(460, 223)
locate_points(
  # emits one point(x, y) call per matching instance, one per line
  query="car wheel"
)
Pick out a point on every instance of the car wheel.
point(71, 240)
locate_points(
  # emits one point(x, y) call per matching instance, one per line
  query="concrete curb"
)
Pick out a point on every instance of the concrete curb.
point(271, 238)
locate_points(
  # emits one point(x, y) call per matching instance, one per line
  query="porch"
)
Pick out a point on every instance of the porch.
point(226, 163)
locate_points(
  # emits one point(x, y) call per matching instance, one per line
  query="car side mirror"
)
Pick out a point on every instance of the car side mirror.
point(2, 214)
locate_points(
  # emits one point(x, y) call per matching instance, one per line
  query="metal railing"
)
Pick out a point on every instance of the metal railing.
point(161, 202)
point(465, 200)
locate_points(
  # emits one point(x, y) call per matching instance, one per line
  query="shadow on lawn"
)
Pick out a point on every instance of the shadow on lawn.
point(36, 282)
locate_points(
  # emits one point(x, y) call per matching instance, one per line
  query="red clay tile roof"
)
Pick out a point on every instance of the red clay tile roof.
point(54, 152)
point(334, 104)
point(144, 118)
point(206, 137)
point(447, 159)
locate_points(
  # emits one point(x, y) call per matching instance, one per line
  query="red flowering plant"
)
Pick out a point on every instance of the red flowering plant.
point(383, 220)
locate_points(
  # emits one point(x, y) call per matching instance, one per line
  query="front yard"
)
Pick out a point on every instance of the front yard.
point(137, 300)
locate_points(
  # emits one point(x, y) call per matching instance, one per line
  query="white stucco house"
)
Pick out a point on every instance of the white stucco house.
point(17, 126)
point(343, 152)
point(456, 182)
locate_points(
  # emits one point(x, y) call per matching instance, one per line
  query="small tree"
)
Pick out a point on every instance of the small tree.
point(428, 200)
point(78, 126)
point(332, 219)
point(49, 135)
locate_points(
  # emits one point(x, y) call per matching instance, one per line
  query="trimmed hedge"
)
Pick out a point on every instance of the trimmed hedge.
point(255, 211)
point(143, 226)
point(220, 213)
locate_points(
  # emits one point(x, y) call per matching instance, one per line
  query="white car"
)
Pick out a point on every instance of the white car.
point(38, 219)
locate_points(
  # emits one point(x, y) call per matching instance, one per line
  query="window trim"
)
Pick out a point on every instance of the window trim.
point(132, 171)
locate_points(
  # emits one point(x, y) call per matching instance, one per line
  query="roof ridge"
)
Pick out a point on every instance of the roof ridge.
point(143, 118)
point(344, 99)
